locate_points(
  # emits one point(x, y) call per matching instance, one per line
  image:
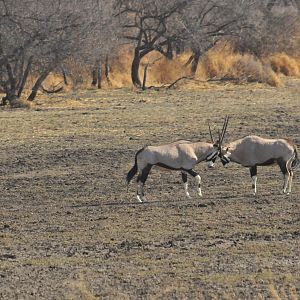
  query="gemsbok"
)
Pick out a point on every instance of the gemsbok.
point(181, 155)
point(253, 151)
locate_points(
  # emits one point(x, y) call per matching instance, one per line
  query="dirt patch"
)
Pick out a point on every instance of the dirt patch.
point(70, 230)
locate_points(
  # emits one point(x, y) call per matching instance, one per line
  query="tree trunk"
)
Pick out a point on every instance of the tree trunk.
point(99, 74)
point(10, 87)
point(25, 76)
point(145, 77)
point(107, 68)
point(195, 61)
point(94, 77)
point(63, 71)
point(10, 98)
point(169, 54)
point(135, 68)
point(38, 84)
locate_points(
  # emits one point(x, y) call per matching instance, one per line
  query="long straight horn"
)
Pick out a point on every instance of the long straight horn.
point(224, 128)
point(219, 141)
point(211, 136)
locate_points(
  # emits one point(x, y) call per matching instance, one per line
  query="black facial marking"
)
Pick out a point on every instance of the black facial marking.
point(225, 160)
point(212, 158)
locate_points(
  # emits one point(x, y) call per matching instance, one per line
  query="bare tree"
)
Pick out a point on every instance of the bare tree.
point(150, 26)
point(101, 40)
point(273, 27)
point(35, 39)
point(208, 22)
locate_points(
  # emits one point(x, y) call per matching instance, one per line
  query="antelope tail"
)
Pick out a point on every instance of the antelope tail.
point(133, 170)
point(296, 160)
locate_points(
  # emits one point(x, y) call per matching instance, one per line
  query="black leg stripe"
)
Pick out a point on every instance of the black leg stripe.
point(184, 177)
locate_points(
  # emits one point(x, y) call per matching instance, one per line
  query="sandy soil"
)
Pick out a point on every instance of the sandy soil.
point(70, 230)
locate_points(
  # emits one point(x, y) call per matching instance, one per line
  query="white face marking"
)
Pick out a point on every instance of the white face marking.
point(227, 155)
point(210, 164)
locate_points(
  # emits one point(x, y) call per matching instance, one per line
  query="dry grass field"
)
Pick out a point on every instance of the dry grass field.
point(70, 230)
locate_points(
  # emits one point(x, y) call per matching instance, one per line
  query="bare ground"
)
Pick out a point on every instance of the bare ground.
point(70, 230)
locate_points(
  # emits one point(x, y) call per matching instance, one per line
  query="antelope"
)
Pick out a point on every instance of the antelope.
point(253, 151)
point(181, 155)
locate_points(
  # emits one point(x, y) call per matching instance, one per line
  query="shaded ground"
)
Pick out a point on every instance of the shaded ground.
point(70, 230)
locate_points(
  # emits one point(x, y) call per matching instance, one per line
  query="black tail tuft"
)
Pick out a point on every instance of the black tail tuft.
point(133, 170)
point(131, 173)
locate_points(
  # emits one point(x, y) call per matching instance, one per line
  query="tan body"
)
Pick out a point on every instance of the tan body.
point(181, 155)
point(178, 155)
point(252, 151)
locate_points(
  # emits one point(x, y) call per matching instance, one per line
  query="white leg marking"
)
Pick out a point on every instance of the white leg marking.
point(290, 183)
point(286, 181)
point(198, 178)
point(254, 182)
point(186, 190)
point(140, 192)
point(139, 198)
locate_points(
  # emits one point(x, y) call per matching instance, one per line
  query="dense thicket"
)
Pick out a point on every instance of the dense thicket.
point(38, 37)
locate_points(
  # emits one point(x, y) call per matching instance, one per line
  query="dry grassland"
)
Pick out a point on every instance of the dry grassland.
point(70, 230)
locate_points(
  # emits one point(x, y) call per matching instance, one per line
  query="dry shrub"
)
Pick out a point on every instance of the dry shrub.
point(251, 69)
point(217, 62)
point(55, 80)
point(282, 63)
point(163, 70)
point(221, 62)
point(79, 74)
point(224, 63)
point(120, 67)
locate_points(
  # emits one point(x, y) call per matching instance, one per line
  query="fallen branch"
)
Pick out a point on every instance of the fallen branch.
point(53, 90)
point(181, 78)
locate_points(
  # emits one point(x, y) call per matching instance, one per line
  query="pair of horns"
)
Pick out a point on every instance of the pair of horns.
point(222, 134)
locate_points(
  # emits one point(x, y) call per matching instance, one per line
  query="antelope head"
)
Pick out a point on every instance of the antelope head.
point(216, 144)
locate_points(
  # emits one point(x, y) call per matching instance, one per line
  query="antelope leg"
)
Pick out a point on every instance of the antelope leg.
point(197, 176)
point(253, 173)
point(185, 183)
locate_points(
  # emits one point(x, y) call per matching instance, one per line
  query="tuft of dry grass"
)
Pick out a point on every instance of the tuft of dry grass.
point(285, 64)
point(224, 63)
point(282, 294)
point(78, 289)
